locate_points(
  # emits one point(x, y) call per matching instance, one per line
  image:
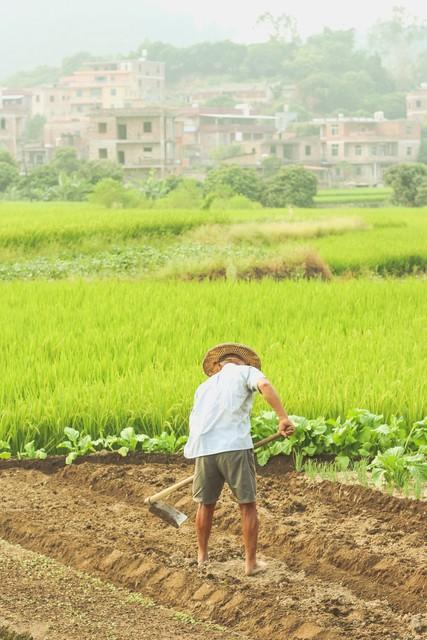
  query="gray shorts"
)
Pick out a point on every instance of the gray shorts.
point(236, 468)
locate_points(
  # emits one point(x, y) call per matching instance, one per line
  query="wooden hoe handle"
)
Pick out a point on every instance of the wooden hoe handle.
point(189, 479)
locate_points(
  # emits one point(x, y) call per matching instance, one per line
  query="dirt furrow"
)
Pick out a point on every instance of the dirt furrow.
point(334, 571)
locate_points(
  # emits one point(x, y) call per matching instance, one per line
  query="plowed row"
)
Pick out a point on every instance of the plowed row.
point(344, 562)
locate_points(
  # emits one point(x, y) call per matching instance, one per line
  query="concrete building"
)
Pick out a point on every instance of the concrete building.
point(115, 85)
point(141, 140)
point(15, 110)
point(416, 105)
point(360, 150)
point(206, 132)
point(52, 102)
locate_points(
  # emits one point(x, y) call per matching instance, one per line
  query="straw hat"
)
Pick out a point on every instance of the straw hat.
point(214, 355)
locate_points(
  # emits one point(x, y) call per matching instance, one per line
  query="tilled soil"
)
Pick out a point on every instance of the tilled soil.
point(41, 599)
point(345, 562)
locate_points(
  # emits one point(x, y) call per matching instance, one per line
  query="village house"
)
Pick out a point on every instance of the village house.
point(212, 134)
point(416, 105)
point(360, 150)
point(51, 102)
point(15, 110)
point(115, 85)
point(141, 140)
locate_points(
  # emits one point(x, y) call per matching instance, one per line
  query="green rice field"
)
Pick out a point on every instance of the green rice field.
point(97, 331)
point(63, 240)
point(102, 355)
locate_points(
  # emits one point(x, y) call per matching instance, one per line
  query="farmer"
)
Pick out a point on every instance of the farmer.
point(220, 441)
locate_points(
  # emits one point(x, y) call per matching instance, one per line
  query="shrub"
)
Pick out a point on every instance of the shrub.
point(409, 183)
point(112, 194)
point(291, 185)
point(234, 180)
point(8, 175)
point(234, 203)
point(187, 195)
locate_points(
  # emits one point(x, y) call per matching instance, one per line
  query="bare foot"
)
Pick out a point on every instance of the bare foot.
point(259, 567)
point(202, 560)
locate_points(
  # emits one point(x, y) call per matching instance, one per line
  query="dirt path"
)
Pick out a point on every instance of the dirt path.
point(344, 562)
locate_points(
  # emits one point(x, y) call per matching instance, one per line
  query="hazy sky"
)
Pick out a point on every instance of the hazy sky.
point(36, 32)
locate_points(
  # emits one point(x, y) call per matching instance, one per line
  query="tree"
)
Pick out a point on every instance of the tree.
point(291, 185)
point(397, 40)
point(66, 161)
point(225, 151)
point(75, 62)
point(34, 128)
point(284, 28)
point(223, 100)
point(234, 180)
point(6, 157)
point(112, 194)
point(422, 155)
point(270, 166)
point(96, 170)
point(408, 182)
point(8, 174)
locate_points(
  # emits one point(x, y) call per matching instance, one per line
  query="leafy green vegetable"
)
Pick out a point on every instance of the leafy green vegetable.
point(29, 451)
point(394, 467)
point(78, 445)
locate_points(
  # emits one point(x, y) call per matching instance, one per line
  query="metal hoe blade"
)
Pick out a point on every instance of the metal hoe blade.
point(168, 514)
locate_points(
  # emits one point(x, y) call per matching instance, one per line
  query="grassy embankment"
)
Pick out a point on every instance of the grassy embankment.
point(57, 240)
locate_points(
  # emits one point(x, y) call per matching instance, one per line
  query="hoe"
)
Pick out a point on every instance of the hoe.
point(171, 515)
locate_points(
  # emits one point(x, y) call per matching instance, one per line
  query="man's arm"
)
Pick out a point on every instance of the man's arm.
point(286, 426)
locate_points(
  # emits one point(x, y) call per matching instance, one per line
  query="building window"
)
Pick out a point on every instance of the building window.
point(273, 149)
point(258, 136)
point(95, 93)
point(358, 149)
point(359, 171)
point(308, 150)
point(37, 98)
point(102, 154)
point(287, 152)
point(121, 157)
point(3, 123)
point(113, 92)
point(100, 78)
point(122, 132)
point(418, 104)
point(246, 136)
point(79, 93)
point(148, 127)
point(409, 151)
point(335, 150)
point(334, 129)
point(148, 151)
point(102, 127)
point(52, 98)
point(408, 128)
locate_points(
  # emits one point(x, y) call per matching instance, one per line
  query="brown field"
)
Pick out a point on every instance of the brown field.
point(345, 562)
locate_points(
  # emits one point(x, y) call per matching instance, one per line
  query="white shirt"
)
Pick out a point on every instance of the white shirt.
point(220, 418)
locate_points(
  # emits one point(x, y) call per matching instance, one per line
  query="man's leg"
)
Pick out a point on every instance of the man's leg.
point(204, 518)
point(250, 527)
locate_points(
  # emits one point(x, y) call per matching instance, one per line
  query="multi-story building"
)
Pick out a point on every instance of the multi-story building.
point(416, 105)
point(141, 140)
point(359, 150)
point(52, 102)
point(206, 132)
point(15, 109)
point(115, 85)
